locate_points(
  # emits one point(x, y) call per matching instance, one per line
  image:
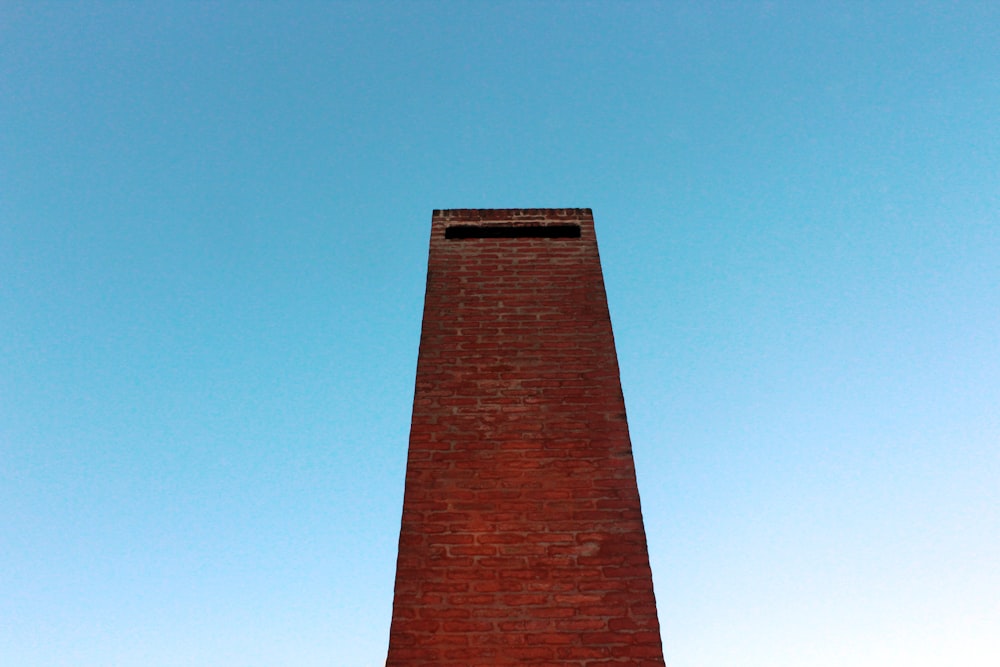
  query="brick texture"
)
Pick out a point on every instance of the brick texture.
point(522, 540)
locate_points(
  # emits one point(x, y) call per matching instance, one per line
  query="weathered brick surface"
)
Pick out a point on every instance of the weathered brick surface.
point(522, 539)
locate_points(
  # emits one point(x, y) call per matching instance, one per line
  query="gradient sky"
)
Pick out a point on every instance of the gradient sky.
point(213, 239)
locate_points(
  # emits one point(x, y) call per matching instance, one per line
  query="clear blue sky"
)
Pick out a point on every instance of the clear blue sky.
point(213, 236)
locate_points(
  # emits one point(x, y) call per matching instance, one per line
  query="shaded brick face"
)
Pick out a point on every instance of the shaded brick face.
point(522, 539)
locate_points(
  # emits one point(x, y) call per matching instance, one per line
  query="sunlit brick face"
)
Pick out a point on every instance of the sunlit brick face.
point(522, 539)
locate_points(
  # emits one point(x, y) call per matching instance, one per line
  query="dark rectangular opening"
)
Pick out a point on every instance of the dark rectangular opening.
point(560, 231)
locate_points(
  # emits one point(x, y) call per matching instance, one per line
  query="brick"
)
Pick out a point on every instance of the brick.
point(521, 540)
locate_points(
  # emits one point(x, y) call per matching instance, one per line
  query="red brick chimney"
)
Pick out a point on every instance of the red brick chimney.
point(522, 540)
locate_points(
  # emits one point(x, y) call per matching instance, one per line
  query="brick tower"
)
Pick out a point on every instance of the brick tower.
point(522, 539)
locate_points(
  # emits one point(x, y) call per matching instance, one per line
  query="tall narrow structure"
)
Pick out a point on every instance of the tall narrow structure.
point(522, 540)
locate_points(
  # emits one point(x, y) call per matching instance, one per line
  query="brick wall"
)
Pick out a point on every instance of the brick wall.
point(522, 539)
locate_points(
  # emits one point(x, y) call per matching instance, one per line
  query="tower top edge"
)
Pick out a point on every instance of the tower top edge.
point(472, 214)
